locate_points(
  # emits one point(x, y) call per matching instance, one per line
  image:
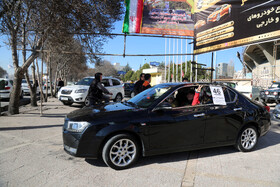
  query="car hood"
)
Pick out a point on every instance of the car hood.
point(75, 87)
point(107, 112)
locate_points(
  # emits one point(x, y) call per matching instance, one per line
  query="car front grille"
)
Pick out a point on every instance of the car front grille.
point(66, 92)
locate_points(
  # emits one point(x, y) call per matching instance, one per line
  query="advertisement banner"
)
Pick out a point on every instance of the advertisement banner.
point(163, 17)
point(221, 24)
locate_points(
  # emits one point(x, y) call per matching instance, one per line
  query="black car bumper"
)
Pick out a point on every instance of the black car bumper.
point(84, 144)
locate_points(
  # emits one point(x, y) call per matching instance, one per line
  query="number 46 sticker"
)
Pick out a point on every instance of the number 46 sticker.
point(218, 95)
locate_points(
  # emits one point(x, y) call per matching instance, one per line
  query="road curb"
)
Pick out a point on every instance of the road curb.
point(190, 172)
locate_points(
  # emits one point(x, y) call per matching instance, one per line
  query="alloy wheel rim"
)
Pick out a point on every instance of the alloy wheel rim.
point(123, 152)
point(248, 138)
point(119, 98)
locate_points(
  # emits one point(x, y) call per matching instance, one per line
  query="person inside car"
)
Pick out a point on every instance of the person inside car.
point(196, 96)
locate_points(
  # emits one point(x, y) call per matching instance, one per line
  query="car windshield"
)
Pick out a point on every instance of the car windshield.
point(149, 96)
point(85, 81)
point(275, 86)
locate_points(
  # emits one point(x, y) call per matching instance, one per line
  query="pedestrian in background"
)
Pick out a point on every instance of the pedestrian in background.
point(96, 91)
point(147, 82)
point(138, 85)
point(186, 80)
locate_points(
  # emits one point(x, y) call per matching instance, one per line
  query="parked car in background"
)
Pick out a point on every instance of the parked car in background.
point(128, 89)
point(157, 122)
point(272, 94)
point(5, 93)
point(276, 112)
point(25, 88)
point(252, 92)
point(78, 93)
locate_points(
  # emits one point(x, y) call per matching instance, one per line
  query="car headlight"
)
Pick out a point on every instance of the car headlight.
point(81, 91)
point(275, 93)
point(77, 126)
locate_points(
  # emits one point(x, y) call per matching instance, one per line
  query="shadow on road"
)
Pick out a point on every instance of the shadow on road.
point(29, 127)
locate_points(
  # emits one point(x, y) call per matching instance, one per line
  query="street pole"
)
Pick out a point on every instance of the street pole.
point(212, 67)
point(165, 60)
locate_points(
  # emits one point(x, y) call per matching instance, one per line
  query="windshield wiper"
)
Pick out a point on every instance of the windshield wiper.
point(131, 103)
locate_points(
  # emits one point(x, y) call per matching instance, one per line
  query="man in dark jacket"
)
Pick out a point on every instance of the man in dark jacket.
point(96, 90)
point(147, 81)
point(138, 85)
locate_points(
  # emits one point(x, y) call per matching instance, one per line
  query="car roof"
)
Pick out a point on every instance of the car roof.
point(102, 77)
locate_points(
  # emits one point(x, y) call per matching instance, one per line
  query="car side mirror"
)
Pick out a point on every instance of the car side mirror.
point(163, 106)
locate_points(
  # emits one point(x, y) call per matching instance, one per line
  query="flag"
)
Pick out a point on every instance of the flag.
point(133, 16)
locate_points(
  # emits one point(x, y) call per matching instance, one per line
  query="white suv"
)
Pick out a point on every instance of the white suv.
point(5, 92)
point(78, 92)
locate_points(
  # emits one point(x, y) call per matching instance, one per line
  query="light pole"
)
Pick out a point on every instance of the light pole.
point(244, 68)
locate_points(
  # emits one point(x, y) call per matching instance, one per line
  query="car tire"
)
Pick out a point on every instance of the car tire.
point(247, 139)
point(86, 103)
point(132, 94)
point(118, 98)
point(121, 151)
point(67, 103)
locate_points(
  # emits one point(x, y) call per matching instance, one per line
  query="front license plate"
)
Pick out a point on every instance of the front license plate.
point(64, 98)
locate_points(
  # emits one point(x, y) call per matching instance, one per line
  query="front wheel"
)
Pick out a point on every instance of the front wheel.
point(121, 151)
point(248, 139)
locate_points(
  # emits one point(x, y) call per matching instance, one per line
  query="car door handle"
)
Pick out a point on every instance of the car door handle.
point(199, 115)
point(237, 109)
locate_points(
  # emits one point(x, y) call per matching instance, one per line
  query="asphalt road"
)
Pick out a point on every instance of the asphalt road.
point(31, 154)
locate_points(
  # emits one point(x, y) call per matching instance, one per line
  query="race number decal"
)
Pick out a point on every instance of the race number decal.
point(218, 95)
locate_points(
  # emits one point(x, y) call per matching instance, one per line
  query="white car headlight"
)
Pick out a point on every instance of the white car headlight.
point(81, 91)
point(77, 126)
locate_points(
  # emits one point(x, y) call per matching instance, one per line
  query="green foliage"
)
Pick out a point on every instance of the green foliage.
point(2, 72)
point(127, 68)
point(128, 75)
point(201, 74)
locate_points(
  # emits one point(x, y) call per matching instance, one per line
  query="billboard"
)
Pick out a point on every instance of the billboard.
point(221, 24)
point(163, 17)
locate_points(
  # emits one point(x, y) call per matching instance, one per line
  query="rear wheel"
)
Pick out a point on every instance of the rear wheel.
point(118, 98)
point(132, 94)
point(248, 139)
point(121, 151)
point(87, 103)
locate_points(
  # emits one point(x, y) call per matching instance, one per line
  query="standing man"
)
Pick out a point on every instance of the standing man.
point(138, 85)
point(147, 81)
point(96, 90)
point(60, 84)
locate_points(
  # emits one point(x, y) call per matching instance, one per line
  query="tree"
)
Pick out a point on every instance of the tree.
point(44, 19)
point(2, 72)
point(128, 76)
point(106, 68)
point(127, 68)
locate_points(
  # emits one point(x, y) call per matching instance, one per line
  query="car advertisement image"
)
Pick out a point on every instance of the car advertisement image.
point(221, 24)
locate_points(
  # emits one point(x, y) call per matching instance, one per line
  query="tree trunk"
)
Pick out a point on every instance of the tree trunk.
point(55, 82)
point(50, 75)
point(15, 95)
point(40, 82)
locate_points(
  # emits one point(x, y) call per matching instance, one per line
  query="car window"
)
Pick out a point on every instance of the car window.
point(85, 81)
point(149, 96)
point(226, 94)
point(232, 95)
point(205, 96)
point(23, 81)
point(106, 82)
point(115, 82)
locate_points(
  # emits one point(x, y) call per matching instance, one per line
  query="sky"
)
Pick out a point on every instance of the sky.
point(140, 45)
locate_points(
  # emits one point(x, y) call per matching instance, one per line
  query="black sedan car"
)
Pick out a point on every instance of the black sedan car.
point(161, 120)
point(128, 89)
